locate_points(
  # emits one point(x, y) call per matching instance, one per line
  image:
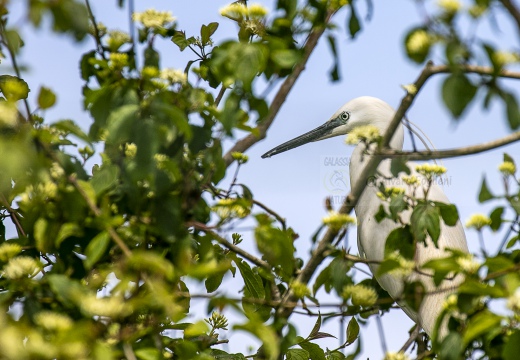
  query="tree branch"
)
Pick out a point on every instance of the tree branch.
point(450, 153)
point(97, 35)
point(230, 246)
point(513, 10)
point(245, 143)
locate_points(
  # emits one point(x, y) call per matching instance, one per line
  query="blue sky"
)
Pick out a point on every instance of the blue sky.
point(293, 183)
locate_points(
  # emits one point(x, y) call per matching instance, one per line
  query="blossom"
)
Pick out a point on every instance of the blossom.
point(257, 11)
point(108, 306)
point(393, 355)
point(478, 221)
point(368, 134)
point(118, 60)
point(361, 295)
point(234, 10)
point(450, 6)
point(9, 250)
point(150, 72)
point(418, 42)
point(50, 320)
point(240, 157)
point(232, 208)
point(502, 58)
point(300, 290)
point(21, 267)
point(410, 89)
point(405, 266)
point(152, 18)
point(8, 114)
point(390, 192)
point(411, 180)
point(174, 76)
point(56, 171)
point(130, 150)
point(513, 302)
point(336, 220)
point(468, 264)
point(430, 170)
point(116, 38)
point(507, 168)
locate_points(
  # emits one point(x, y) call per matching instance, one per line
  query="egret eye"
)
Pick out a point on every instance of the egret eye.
point(344, 116)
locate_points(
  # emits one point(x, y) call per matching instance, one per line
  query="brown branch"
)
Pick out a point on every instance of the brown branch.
point(97, 35)
point(514, 11)
point(230, 246)
point(13, 214)
point(245, 143)
point(280, 219)
point(450, 153)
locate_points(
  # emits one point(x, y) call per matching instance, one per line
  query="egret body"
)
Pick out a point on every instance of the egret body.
point(372, 235)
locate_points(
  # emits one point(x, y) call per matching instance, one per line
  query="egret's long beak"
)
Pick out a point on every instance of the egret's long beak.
point(321, 132)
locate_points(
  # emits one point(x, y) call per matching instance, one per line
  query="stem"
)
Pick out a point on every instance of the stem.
point(97, 35)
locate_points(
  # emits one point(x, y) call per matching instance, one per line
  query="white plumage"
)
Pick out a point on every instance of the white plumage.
point(371, 234)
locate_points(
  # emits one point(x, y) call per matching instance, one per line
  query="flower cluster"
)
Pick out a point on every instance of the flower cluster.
point(410, 89)
point(478, 221)
point(300, 290)
point(430, 170)
point(237, 11)
point(174, 76)
point(130, 150)
point(21, 267)
point(9, 250)
point(368, 134)
point(396, 355)
point(118, 61)
point(513, 302)
point(240, 157)
point(116, 39)
point(468, 264)
point(418, 42)
point(411, 180)
point(53, 321)
point(390, 192)
point(112, 306)
point(450, 6)
point(153, 19)
point(405, 266)
point(507, 168)
point(226, 208)
point(217, 321)
point(361, 295)
point(336, 220)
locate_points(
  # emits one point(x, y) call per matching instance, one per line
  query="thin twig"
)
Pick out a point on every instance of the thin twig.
point(415, 332)
point(506, 236)
point(280, 219)
point(13, 214)
point(220, 95)
point(230, 246)
point(245, 143)
point(514, 11)
point(450, 153)
point(131, 24)
point(381, 333)
point(97, 34)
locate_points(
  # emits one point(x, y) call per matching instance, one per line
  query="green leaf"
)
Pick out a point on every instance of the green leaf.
point(252, 281)
point(401, 240)
point(512, 110)
point(397, 205)
point(43, 242)
point(96, 249)
point(151, 57)
point(148, 354)
point(285, 58)
point(297, 354)
point(512, 347)
point(508, 158)
point(316, 328)
point(196, 329)
point(484, 194)
point(70, 127)
point(120, 123)
point(442, 268)
point(105, 178)
point(496, 218)
point(14, 88)
point(334, 72)
point(67, 230)
point(425, 219)
point(451, 347)
point(418, 54)
point(386, 266)
point(206, 31)
point(314, 350)
point(457, 93)
point(397, 166)
point(449, 213)
point(478, 325)
point(46, 98)
point(353, 23)
point(352, 330)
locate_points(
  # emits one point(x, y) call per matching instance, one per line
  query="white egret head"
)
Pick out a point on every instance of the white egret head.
point(361, 111)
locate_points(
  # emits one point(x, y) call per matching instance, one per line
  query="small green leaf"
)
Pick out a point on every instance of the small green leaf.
point(397, 166)
point(105, 178)
point(148, 354)
point(496, 218)
point(353, 23)
point(478, 325)
point(14, 88)
point(397, 205)
point(206, 31)
point(315, 351)
point(512, 110)
point(484, 194)
point(151, 57)
point(67, 230)
point(70, 127)
point(449, 213)
point(96, 249)
point(352, 330)
point(425, 219)
point(297, 354)
point(46, 98)
point(285, 58)
point(512, 347)
point(252, 281)
point(40, 235)
point(401, 240)
point(451, 346)
point(457, 93)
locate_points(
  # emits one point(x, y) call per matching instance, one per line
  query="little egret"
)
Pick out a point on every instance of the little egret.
point(372, 235)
